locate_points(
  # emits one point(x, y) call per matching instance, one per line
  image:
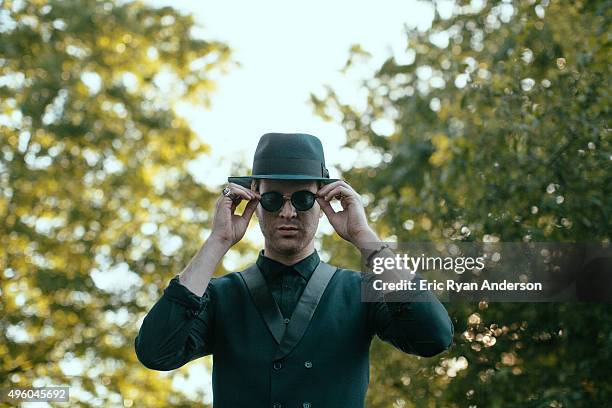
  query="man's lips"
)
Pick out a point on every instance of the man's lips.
point(287, 230)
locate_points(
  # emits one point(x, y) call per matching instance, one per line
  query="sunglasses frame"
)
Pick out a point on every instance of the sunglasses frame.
point(285, 198)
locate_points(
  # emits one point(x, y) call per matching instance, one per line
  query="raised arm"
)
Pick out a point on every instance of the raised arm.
point(179, 327)
point(421, 326)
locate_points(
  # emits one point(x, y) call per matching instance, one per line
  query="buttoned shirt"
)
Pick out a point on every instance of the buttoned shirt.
point(287, 282)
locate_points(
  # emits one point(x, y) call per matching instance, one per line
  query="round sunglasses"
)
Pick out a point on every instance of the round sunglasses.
point(273, 201)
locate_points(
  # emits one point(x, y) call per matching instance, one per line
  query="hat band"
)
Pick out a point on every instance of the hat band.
point(290, 166)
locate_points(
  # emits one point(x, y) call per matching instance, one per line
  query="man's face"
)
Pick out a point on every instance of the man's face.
point(284, 241)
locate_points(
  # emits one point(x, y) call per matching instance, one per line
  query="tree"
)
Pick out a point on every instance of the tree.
point(494, 125)
point(98, 210)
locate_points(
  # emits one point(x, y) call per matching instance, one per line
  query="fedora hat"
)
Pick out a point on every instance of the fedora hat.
point(287, 156)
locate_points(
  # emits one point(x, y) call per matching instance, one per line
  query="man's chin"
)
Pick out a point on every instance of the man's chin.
point(288, 246)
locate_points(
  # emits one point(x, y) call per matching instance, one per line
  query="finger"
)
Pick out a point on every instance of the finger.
point(253, 194)
point(249, 209)
point(345, 191)
point(238, 192)
point(233, 206)
point(235, 188)
point(327, 188)
point(227, 204)
point(230, 199)
point(244, 189)
point(327, 208)
point(233, 199)
point(323, 190)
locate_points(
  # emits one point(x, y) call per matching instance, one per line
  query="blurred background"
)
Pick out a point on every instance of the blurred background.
point(473, 120)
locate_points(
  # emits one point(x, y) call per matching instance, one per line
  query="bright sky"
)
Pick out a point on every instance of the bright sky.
point(288, 49)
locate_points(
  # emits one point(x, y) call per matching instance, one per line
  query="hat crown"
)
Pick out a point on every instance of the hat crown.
point(289, 146)
point(287, 156)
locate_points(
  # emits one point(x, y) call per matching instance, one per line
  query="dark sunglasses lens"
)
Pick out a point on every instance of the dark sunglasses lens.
point(271, 201)
point(303, 200)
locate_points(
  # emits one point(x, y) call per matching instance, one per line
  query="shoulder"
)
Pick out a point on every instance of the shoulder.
point(226, 282)
point(344, 272)
point(346, 277)
point(345, 287)
point(226, 289)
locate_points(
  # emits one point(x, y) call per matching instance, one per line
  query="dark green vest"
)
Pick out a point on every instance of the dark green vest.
point(319, 359)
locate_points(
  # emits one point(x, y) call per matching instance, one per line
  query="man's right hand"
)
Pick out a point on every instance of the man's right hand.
point(229, 228)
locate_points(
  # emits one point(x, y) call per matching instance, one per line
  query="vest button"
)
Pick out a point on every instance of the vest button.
point(286, 320)
point(306, 405)
point(277, 405)
point(277, 365)
point(308, 364)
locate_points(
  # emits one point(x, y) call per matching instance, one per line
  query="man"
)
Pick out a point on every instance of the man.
point(291, 330)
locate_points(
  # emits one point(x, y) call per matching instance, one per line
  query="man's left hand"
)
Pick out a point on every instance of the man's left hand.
point(351, 222)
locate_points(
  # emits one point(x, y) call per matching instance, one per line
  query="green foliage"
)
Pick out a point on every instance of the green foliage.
point(498, 125)
point(94, 180)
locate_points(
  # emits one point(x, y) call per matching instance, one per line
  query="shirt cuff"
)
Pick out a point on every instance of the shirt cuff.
point(178, 293)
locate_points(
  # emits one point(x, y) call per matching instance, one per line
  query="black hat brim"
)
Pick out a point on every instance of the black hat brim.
point(245, 181)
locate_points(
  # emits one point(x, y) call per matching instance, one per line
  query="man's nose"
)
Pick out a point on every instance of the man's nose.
point(287, 210)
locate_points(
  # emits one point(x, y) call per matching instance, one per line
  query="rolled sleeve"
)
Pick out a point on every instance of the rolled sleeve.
point(178, 293)
point(178, 329)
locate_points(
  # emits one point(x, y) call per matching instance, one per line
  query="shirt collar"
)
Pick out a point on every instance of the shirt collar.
point(305, 267)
